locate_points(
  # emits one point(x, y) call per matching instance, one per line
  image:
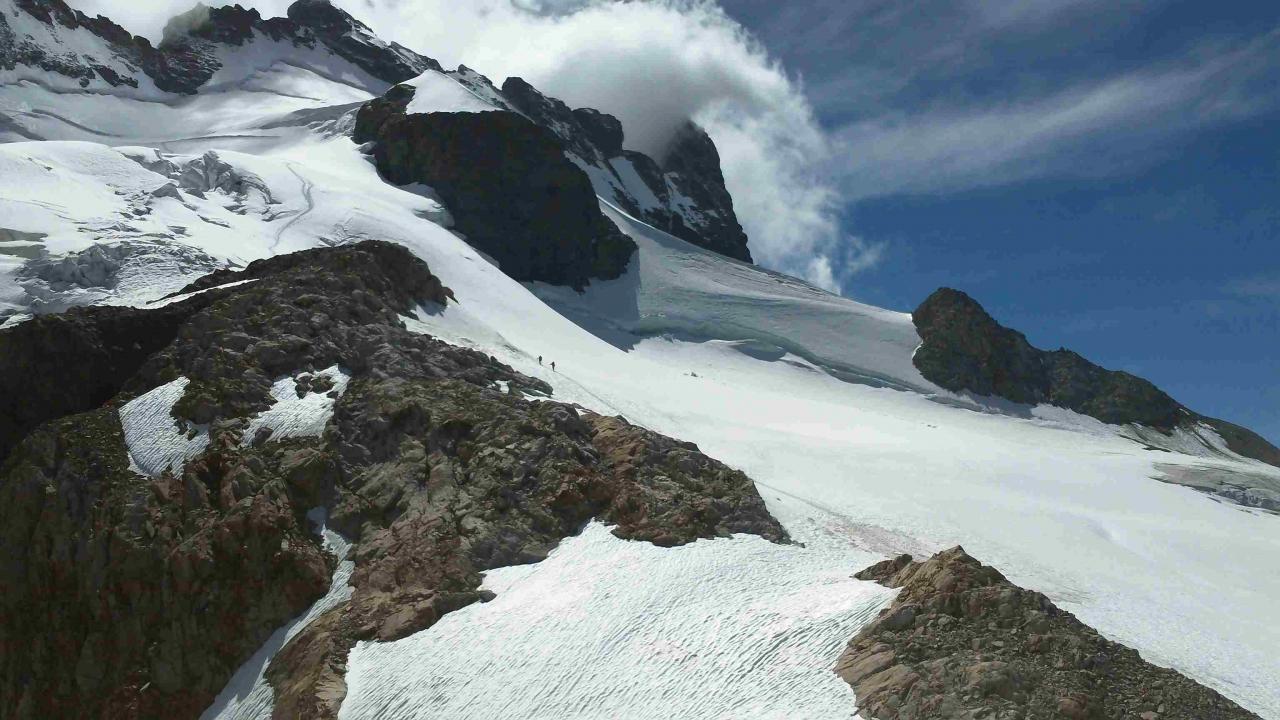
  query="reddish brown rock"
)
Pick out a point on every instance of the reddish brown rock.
point(960, 641)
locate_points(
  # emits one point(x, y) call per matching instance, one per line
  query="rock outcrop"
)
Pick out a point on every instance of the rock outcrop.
point(964, 348)
point(109, 345)
point(960, 641)
point(507, 183)
point(682, 191)
point(134, 595)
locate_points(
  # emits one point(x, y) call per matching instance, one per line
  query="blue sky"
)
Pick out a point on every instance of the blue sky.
point(1100, 175)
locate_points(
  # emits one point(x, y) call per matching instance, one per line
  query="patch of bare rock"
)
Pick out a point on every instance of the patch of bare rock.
point(961, 641)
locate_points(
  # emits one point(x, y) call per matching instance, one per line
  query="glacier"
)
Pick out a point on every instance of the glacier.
point(811, 394)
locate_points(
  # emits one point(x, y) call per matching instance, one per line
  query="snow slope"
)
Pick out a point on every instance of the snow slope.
point(293, 416)
point(679, 289)
point(155, 440)
point(812, 395)
point(726, 628)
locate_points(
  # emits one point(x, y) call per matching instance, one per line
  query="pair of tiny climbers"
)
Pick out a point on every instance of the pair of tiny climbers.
point(553, 363)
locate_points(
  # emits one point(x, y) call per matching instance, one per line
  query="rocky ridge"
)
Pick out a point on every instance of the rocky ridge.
point(960, 641)
point(520, 181)
point(188, 57)
point(434, 463)
point(964, 348)
point(684, 188)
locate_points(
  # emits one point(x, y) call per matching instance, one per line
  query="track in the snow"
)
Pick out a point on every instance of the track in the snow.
point(311, 205)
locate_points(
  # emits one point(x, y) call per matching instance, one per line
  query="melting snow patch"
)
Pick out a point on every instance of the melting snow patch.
point(156, 441)
point(436, 92)
point(248, 695)
point(728, 628)
point(302, 414)
point(187, 296)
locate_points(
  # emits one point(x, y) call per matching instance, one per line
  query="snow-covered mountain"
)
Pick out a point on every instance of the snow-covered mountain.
point(129, 172)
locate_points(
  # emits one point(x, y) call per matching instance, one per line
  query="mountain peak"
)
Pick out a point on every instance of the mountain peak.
point(188, 55)
point(322, 13)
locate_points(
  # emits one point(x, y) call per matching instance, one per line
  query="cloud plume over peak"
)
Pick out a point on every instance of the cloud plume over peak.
point(654, 64)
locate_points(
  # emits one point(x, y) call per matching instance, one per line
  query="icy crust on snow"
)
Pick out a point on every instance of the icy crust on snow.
point(293, 416)
point(674, 287)
point(727, 628)
point(130, 225)
point(156, 440)
point(1197, 439)
point(263, 64)
point(252, 102)
point(437, 92)
point(248, 695)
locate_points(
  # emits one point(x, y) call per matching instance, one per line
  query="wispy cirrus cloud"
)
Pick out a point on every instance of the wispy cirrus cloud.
point(1096, 126)
point(936, 96)
point(1257, 287)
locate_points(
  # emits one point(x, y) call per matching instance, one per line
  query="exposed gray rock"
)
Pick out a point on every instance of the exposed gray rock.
point(960, 641)
point(964, 348)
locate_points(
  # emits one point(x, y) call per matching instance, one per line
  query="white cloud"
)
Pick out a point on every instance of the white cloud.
point(1096, 127)
point(654, 64)
point(1267, 288)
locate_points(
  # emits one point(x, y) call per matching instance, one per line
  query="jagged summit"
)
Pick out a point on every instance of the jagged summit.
point(682, 193)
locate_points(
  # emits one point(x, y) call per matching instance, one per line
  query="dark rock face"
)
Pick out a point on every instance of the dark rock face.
point(108, 344)
point(964, 348)
point(692, 164)
point(130, 596)
point(153, 590)
point(507, 184)
point(961, 641)
point(351, 39)
point(693, 203)
point(16, 50)
point(187, 57)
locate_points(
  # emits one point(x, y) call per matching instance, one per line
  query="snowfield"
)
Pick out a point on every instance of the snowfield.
point(155, 440)
point(605, 627)
point(812, 395)
point(293, 416)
